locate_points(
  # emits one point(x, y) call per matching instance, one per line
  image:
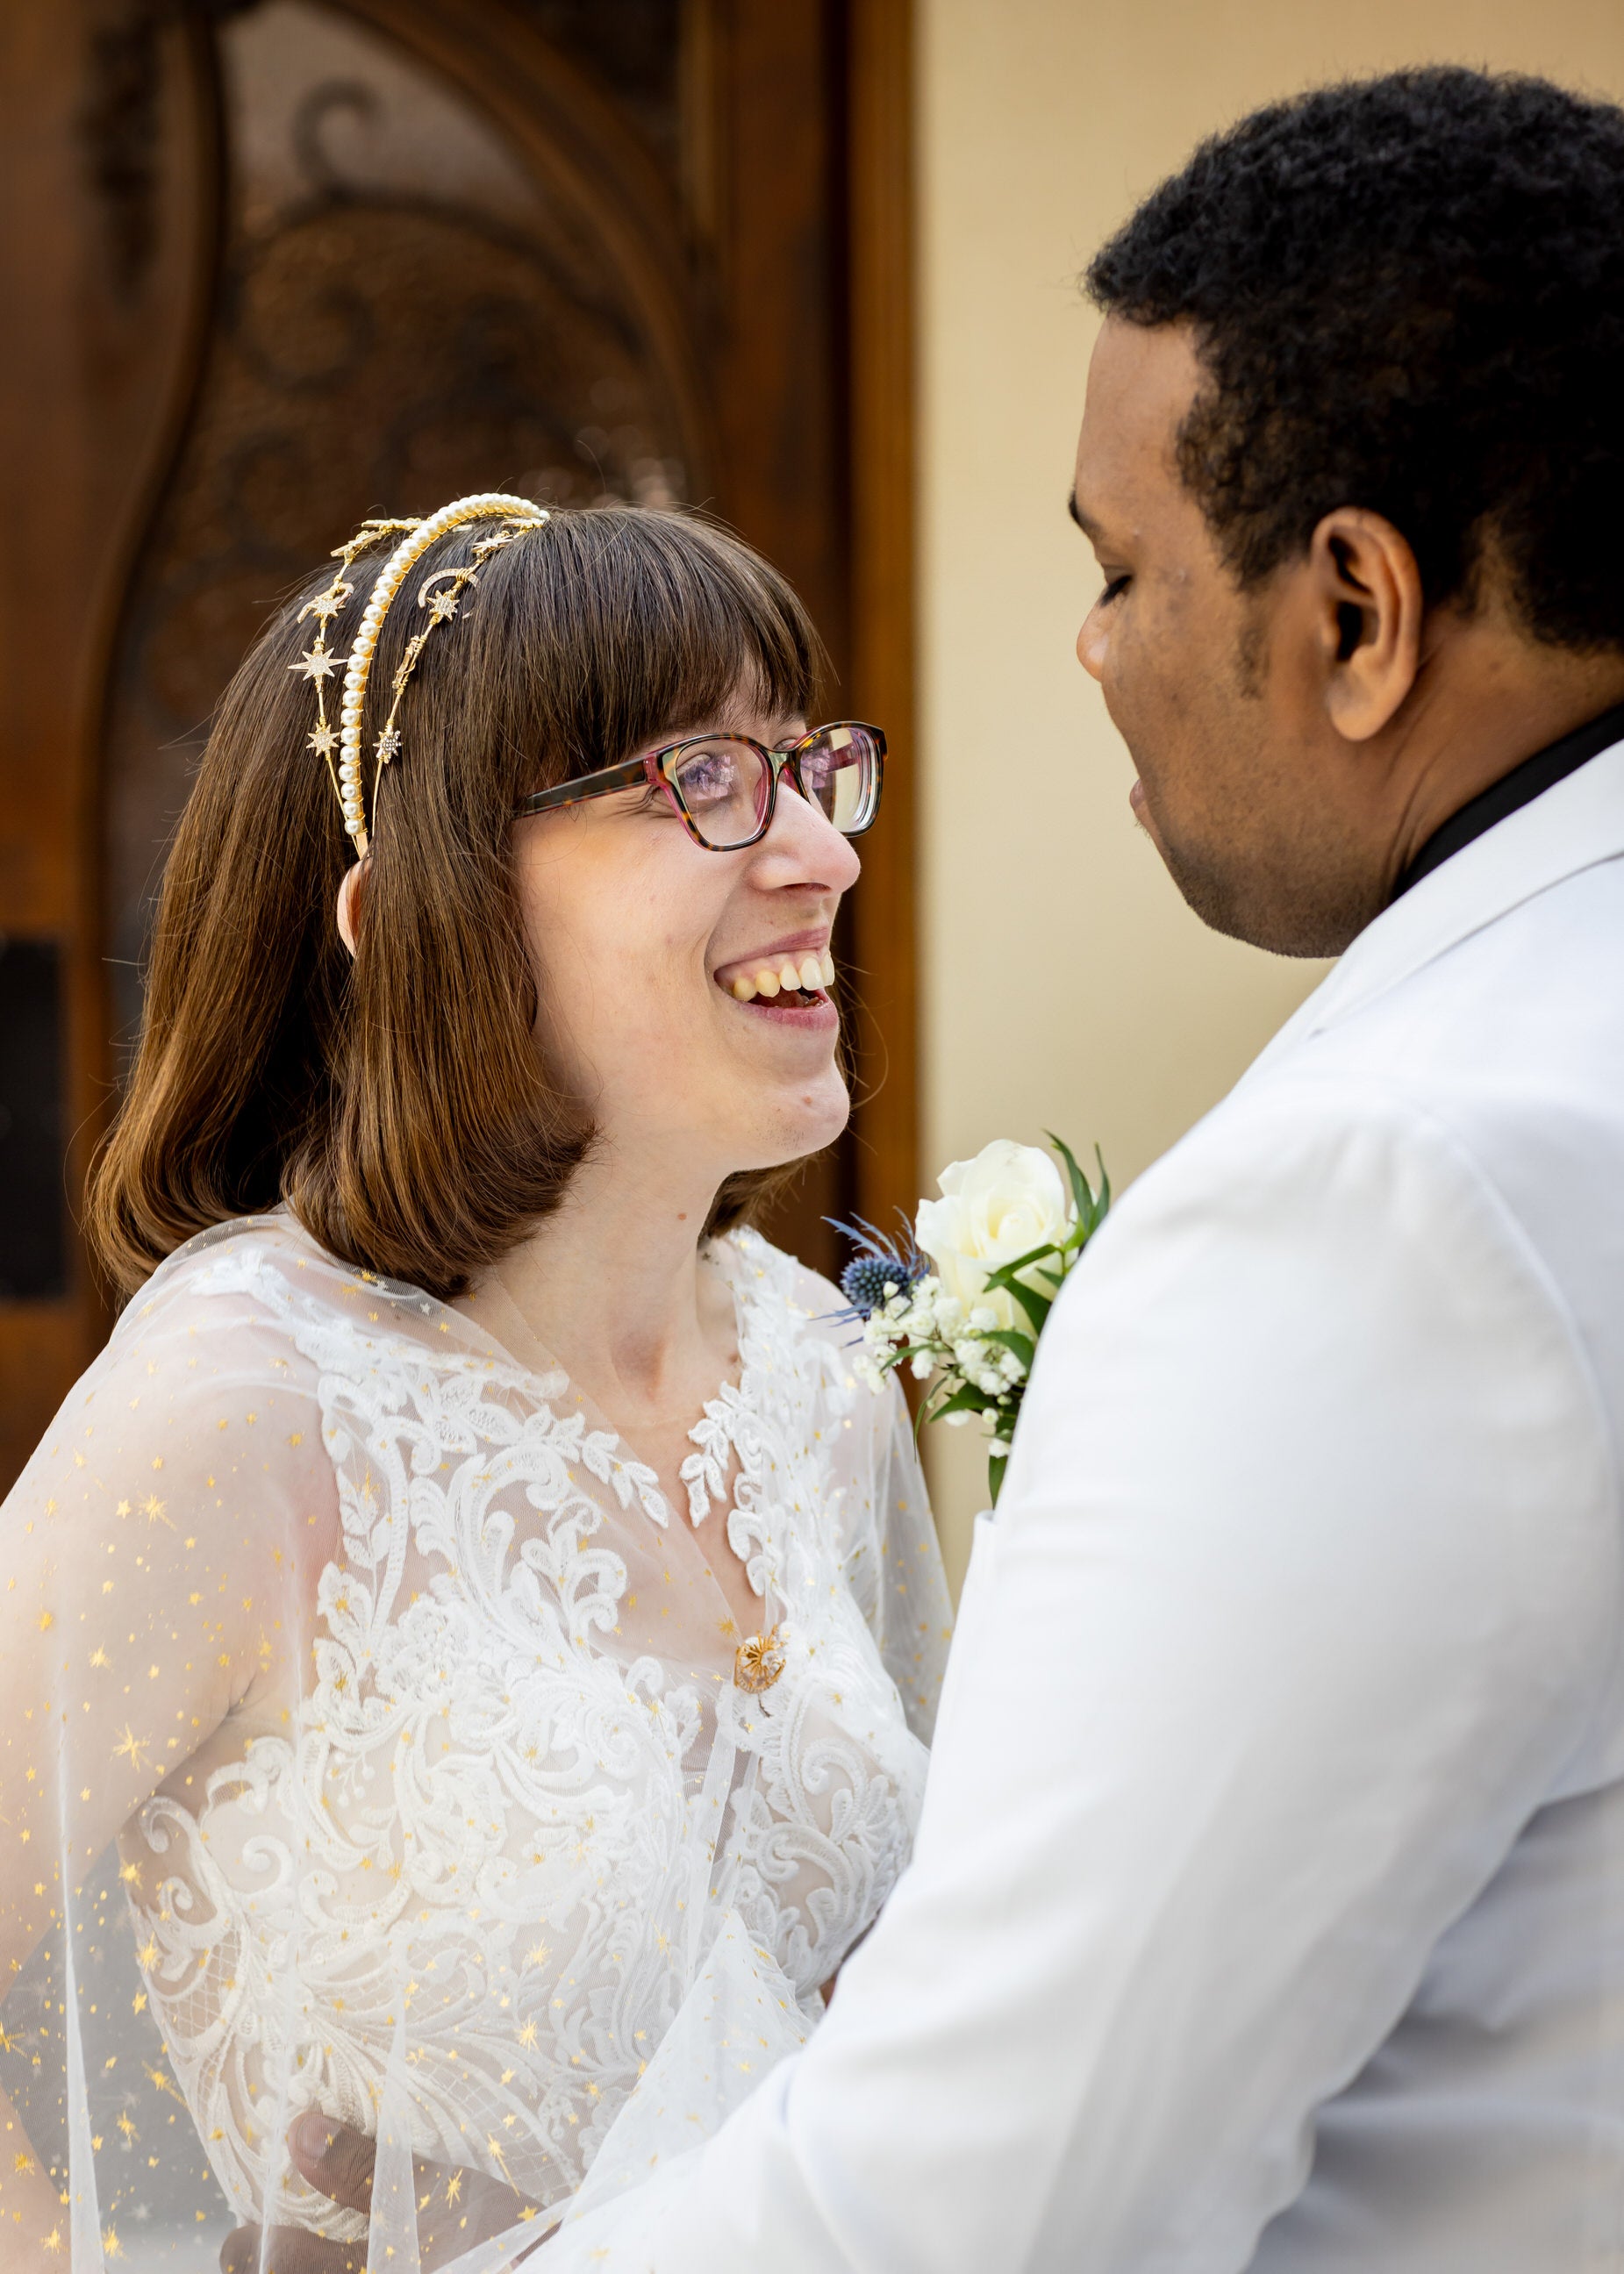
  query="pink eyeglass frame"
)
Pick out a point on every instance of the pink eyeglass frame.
point(656, 768)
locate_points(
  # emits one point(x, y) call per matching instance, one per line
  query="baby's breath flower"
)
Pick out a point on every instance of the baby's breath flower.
point(921, 1311)
point(868, 1374)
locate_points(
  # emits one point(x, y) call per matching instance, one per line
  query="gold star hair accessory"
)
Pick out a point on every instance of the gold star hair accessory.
point(319, 664)
point(440, 594)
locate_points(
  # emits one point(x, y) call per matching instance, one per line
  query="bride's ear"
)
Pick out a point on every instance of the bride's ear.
point(350, 894)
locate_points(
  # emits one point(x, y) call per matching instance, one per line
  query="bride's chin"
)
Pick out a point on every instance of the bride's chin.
point(804, 1122)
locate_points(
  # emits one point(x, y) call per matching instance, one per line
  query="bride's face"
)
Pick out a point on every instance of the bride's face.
point(638, 936)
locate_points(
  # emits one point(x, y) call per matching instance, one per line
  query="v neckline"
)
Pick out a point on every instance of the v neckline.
point(540, 1363)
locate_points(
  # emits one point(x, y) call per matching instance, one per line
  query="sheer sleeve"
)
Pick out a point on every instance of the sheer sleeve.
point(892, 1559)
point(894, 1563)
point(153, 1550)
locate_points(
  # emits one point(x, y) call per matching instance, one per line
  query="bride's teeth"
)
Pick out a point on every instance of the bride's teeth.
point(827, 969)
point(788, 976)
point(767, 984)
point(744, 990)
point(811, 974)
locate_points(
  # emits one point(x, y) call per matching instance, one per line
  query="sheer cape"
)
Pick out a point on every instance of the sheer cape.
point(372, 1736)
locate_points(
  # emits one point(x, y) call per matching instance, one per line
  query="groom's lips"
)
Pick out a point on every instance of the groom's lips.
point(1140, 806)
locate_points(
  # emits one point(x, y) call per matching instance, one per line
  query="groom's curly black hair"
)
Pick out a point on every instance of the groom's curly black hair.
point(1408, 294)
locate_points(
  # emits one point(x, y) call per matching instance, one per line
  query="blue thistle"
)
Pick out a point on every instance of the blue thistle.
point(879, 1263)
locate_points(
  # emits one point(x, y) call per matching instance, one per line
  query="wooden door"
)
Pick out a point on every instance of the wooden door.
point(271, 267)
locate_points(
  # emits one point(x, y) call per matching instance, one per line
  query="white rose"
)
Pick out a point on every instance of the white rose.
point(1008, 1201)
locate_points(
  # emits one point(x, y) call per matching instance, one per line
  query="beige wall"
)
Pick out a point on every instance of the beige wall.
point(1064, 983)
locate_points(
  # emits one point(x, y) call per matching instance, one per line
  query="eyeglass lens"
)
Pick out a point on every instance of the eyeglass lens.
point(724, 784)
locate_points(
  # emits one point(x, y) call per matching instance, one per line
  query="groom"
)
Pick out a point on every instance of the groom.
point(1268, 1907)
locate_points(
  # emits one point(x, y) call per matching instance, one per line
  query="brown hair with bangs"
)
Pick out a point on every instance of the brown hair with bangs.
point(398, 1103)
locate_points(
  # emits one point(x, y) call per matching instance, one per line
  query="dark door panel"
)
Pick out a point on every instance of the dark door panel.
point(273, 266)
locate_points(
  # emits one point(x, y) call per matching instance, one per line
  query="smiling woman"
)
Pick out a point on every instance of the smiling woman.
point(472, 1577)
point(272, 1068)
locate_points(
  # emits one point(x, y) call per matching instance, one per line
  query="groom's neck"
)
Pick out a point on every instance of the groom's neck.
point(1487, 700)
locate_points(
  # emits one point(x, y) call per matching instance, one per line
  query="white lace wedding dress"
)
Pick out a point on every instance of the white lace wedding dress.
point(495, 1779)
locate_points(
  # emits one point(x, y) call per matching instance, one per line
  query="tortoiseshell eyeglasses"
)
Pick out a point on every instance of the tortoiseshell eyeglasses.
point(725, 786)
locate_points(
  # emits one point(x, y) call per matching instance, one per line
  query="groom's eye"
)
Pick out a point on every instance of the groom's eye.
point(1115, 585)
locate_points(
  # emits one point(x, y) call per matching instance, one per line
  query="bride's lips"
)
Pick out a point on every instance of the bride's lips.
point(786, 981)
point(815, 1013)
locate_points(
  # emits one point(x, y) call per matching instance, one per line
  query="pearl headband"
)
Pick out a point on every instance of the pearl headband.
point(440, 593)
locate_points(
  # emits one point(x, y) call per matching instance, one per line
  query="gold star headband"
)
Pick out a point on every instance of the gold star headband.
point(440, 594)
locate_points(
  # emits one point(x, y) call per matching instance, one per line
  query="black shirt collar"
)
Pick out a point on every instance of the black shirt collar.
point(1520, 787)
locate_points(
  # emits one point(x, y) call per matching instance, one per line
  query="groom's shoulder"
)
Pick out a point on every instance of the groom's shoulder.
point(1481, 1098)
point(1332, 1220)
point(1527, 1006)
point(1507, 1050)
point(1311, 1139)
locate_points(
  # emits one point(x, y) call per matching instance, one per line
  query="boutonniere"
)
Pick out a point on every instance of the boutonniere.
point(962, 1297)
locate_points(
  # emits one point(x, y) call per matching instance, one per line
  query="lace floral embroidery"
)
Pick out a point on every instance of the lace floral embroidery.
point(483, 1849)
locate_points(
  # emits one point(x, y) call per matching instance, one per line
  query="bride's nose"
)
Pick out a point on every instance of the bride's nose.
point(803, 847)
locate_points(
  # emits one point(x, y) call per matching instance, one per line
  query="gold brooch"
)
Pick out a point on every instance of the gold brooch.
point(758, 1661)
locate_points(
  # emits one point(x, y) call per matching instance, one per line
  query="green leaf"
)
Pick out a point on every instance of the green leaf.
point(968, 1400)
point(1036, 1305)
point(1024, 1346)
point(1000, 1278)
point(1091, 1205)
point(1082, 1199)
point(1102, 1198)
point(996, 1464)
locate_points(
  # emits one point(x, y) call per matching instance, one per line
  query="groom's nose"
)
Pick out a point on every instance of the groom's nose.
point(1093, 639)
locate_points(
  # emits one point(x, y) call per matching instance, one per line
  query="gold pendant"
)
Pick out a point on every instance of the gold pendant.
point(758, 1661)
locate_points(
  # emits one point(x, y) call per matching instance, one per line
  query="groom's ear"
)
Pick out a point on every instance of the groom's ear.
point(1363, 592)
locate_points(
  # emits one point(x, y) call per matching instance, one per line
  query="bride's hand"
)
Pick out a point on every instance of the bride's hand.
point(455, 2210)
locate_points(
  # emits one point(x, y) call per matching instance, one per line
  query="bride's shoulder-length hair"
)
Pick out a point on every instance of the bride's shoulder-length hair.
point(398, 1103)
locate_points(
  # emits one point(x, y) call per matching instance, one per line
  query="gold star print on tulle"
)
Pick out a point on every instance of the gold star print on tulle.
point(377, 1739)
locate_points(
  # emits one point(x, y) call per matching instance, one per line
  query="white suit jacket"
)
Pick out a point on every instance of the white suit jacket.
point(1268, 1906)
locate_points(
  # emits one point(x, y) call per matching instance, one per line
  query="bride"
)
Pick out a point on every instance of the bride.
point(471, 1582)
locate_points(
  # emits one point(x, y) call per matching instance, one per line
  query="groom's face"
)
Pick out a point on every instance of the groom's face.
point(1208, 686)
